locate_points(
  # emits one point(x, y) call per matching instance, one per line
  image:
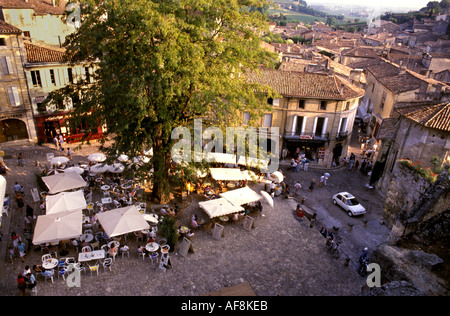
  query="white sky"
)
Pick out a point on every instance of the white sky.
point(414, 4)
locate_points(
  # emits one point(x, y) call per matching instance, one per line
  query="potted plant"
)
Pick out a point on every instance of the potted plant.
point(168, 229)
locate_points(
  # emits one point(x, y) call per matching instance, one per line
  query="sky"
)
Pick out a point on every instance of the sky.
point(414, 4)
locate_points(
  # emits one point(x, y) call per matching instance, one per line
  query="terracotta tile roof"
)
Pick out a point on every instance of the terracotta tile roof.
point(398, 80)
point(38, 53)
point(306, 85)
point(361, 52)
point(6, 28)
point(40, 7)
point(435, 116)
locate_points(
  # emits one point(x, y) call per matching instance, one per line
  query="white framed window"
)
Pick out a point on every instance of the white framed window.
point(14, 98)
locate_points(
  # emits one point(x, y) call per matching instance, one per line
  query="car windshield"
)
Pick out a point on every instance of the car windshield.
point(352, 202)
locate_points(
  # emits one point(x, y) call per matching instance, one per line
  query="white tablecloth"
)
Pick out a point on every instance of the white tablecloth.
point(92, 255)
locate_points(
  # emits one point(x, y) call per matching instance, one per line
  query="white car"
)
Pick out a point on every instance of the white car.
point(349, 203)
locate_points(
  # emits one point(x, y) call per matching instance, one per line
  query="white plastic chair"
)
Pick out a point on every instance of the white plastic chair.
point(46, 257)
point(107, 264)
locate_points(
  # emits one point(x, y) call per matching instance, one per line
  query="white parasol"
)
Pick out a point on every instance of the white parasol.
point(59, 160)
point(116, 168)
point(97, 157)
point(267, 197)
point(122, 221)
point(277, 176)
point(123, 158)
point(65, 201)
point(74, 169)
point(219, 207)
point(63, 181)
point(99, 168)
point(57, 226)
point(241, 196)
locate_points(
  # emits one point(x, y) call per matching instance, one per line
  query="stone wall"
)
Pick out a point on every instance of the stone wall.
point(405, 188)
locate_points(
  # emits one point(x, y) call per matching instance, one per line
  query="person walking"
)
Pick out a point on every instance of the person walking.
point(20, 160)
point(20, 203)
point(306, 164)
point(297, 187)
point(69, 153)
point(321, 181)
point(21, 249)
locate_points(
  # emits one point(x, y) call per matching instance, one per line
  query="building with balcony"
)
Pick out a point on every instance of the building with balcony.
point(46, 71)
point(315, 113)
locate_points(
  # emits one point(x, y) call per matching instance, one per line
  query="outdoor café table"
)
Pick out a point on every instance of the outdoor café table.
point(184, 230)
point(86, 237)
point(50, 264)
point(106, 200)
point(91, 255)
point(152, 218)
point(224, 218)
point(152, 247)
point(105, 187)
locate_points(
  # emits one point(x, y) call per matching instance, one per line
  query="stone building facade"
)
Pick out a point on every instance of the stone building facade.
point(315, 113)
point(16, 116)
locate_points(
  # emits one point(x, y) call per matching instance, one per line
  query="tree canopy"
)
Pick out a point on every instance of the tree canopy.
point(160, 64)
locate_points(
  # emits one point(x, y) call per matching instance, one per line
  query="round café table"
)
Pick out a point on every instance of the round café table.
point(50, 264)
point(152, 247)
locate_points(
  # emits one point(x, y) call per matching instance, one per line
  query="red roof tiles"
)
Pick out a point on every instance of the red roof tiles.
point(43, 54)
point(307, 85)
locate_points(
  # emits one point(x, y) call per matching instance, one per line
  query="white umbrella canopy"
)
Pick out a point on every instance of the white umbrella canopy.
point(229, 174)
point(116, 168)
point(277, 176)
point(74, 169)
point(59, 160)
point(99, 168)
point(267, 197)
point(219, 207)
point(63, 182)
point(57, 226)
point(97, 157)
point(122, 221)
point(241, 196)
point(123, 158)
point(65, 201)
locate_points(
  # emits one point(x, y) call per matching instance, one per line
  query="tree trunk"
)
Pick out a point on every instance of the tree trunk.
point(161, 164)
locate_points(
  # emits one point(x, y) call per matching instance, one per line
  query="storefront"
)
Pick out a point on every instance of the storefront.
point(313, 149)
point(51, 125)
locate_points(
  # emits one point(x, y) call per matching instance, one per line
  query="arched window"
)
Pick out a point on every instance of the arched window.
point(12, 129)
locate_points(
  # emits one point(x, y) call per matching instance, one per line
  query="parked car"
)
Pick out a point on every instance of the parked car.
point(349, 203)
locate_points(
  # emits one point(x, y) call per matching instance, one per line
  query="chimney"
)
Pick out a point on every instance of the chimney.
point(53, 3)
point(342, 89)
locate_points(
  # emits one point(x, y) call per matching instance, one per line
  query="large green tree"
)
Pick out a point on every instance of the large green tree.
point(159, 65)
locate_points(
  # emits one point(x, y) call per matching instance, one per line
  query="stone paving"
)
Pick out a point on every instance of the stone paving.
point(280, 256)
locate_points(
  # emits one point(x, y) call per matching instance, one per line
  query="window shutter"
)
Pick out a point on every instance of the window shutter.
point(9, 65)
point(4, 65)
point(13, 94)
